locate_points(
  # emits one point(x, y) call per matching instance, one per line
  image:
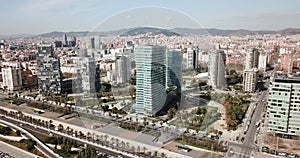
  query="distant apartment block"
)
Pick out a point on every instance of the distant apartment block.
point(87, 75)
point(192, 58)
point(250, 80)
point(251, 59)
point(286, 62)
point(262, 64)
point(216, 72)
point(283, 108)
point(11, 77)
point(48, 71)
point(150, 79)
point(122, 69)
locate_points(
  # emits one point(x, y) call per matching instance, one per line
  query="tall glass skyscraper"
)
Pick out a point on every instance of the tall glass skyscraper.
point(150, 80)
point(174, 69)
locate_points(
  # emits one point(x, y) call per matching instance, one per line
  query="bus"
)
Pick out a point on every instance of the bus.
point(183, 148)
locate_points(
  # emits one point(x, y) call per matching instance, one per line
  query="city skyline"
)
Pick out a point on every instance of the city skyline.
point(37, 17)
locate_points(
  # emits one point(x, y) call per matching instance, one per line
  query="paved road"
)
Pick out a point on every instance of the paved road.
point(40, 145)
point(45, 132)
point(14, 151)
point(248, 147)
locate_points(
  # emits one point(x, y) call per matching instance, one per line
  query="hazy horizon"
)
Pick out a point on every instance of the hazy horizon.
point(37, 17)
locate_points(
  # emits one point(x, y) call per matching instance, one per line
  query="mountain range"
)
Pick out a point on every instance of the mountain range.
point(155, 31)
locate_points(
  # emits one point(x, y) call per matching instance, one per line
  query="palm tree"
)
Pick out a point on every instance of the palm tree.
point(88, 135)
point(112, 139)
point(122, 144)
point(127, 145)
point(162, 155)
point(133, 149)
point(67, 130)
point(155, 153)
point(144, 149)
point(138, 149)
point(105, 138)
point(60, 127)
point(117, 142)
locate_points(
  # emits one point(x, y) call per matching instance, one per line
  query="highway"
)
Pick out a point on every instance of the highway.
point(40, 145)
point(78, 140)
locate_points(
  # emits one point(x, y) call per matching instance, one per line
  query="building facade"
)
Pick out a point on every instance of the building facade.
point(150, 79)
point(12, 78)
point(283, 109)
point(216, 72)
point(192, 58)
point(174, 69)
point(122, 69)
point(251, 59)
point(262, 64)
point(48, 71)
point(88, 74)
point(250, 80)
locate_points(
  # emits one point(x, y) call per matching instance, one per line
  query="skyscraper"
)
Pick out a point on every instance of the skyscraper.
point(174, 69)
point(65, 41)
point(122, 69)
point(48, 68)
point(95, 42)
point(88, 74)
point(216, 72)
point(150, 80)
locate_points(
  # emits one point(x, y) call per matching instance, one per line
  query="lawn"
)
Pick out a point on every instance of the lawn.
point(23, 146)
point(40, 136)
point(13, 101)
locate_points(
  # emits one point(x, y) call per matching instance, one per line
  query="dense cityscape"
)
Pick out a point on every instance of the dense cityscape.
point(151, 92)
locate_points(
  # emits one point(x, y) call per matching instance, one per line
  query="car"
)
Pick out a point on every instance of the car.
point(292, 155)
point(282, 154)
point(243, 139)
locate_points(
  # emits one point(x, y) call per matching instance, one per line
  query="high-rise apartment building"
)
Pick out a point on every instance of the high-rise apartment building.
point(262, 64)
point(88, 74)
point(216, 72)
point(12, 78)
point(150, 79)
point(122, 69)
point(283, 108)
point(48, 68)
point(174, 69)
point(250, 80)
point(192, 58)
point(95, 42)
point(251, 59)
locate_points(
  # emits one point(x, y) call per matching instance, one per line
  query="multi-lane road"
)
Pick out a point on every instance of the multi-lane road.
point(45, 132)
point(247, 148)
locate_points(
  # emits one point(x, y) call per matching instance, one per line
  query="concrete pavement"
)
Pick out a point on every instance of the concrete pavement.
point(15, 152)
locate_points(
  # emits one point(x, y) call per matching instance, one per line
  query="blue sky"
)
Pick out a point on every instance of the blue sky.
point(39, 16)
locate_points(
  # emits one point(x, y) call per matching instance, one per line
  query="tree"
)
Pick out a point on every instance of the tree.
point(18, 133)
point(171, 113)
point(144, 149)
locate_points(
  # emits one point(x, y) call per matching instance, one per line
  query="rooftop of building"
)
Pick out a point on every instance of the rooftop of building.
point(285, 77)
